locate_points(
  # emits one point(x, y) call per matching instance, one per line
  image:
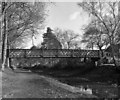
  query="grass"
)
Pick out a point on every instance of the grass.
point(103, 80)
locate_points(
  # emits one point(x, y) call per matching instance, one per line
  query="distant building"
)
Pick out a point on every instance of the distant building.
point(108, 51)
point(34, 47)
point(108, 54)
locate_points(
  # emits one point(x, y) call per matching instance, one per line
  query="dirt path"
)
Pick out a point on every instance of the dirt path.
point(30, 85)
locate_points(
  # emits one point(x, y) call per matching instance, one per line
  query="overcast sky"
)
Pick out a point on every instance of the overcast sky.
point(67, 15)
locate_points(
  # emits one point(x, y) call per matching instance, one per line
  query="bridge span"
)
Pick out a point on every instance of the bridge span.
point(53, 53)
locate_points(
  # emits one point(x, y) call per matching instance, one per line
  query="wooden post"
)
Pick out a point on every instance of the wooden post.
point(25, 54)
point(10, 63)
point(8, 58)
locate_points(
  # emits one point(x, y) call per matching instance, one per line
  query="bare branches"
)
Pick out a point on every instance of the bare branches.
point(107, 15)
point(109, 18)
point(23, 16)
point(112, 7)
point(68, 38)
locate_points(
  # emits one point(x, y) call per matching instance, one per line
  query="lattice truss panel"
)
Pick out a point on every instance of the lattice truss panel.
point(52, 53)
point(16, 53)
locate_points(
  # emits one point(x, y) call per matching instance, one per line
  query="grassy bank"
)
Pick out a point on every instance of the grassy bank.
point(103, 80)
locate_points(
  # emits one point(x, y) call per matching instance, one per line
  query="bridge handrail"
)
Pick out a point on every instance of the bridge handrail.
point(23, 53)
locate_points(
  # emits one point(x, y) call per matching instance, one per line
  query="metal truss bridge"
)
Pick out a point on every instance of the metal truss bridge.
point(52, 53)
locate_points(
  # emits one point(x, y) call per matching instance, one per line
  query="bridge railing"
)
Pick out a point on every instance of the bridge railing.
point(52, 53)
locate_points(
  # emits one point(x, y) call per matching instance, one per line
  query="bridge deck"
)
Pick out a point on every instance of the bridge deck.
point(53, 53)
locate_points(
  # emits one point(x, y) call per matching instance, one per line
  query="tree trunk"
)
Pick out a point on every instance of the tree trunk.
point(113, 55)
point(7, 57)
point(101, 54)
point(4, 37)
point(4, 50)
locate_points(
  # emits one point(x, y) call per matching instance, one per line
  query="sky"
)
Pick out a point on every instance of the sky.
point(65, 15)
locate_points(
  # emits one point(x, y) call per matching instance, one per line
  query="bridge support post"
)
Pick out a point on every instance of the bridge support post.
point(7, 57)
point(84, 59)
point(9, 63)
point(93, 61)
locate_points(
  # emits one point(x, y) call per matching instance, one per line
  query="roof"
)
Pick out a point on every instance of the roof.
point(34, 47)
point(116, 48)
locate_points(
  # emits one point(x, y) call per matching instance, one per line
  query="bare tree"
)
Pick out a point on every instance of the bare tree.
point(68, 38)
point(17, 19)
point(106, 14)
point(28, 18)
point(94, 36)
